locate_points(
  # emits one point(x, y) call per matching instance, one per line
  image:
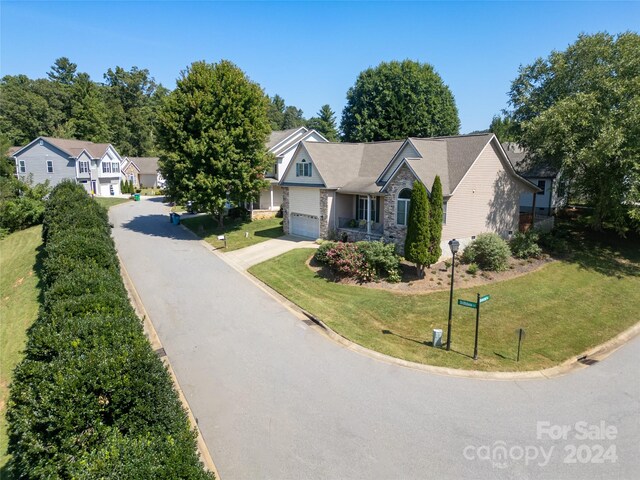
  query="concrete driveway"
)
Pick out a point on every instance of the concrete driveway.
point(260, 252)
point(276, 399)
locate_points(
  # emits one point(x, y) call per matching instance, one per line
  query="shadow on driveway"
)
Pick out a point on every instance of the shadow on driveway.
point(157, 226)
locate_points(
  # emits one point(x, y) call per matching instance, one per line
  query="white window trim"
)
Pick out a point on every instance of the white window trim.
point(115, 167)
point(303, 169)
point(106, 167)
point(49, 164)
point(22, 166)
point(407, 203)
point(83, 166)
point(444, 213)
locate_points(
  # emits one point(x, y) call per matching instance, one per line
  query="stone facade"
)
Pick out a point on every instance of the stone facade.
point(392, 231)
point(324, 213)
point(285, 210)
point(352, 235)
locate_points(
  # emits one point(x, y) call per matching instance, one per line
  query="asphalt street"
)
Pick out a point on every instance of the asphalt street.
point(276, 399)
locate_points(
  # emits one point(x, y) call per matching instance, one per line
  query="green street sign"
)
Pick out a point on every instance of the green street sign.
point(484, 299)
point(466, 303)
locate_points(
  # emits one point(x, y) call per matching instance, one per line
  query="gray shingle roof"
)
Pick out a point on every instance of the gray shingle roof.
point(525, 165)
point(279, 135)
point(147, 165)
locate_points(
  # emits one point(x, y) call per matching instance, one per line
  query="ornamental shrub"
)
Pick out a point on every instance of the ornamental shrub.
point(321, 251)
point(489, 251)
point(382, 258)
point(346, 259)
point(525, 245)
point(416, 244)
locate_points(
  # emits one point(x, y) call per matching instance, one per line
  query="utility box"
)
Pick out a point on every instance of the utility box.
point(437, 337)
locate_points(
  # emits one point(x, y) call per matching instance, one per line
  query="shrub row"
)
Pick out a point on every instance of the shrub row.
point(365, 261)
point(91, 399)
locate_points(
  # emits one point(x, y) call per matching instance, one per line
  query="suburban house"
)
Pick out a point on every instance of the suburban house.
point(96, 166)
point(551, 196)
point(282, 144)
point(142, 172)
point(357, 191)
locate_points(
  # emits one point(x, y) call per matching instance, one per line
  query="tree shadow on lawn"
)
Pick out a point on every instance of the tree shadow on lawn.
point(602, 252)
point(274, 232)
point(157, 226)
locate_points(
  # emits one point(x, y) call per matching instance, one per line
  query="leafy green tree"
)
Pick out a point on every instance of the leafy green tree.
point(503, 128)
point(212, 130)
point(63, 71)
point(325, 123)
point(416, 245)
point(89, 114)
point(282, 116)
point(435, 221)
point(396, 100)
point(579, 110)
point(7, 165)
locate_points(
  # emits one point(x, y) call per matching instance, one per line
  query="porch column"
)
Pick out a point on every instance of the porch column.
point(271, 192)
point(533, 210)
point(368, 214)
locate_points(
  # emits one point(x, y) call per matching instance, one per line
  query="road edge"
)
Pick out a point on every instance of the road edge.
point(154, 340)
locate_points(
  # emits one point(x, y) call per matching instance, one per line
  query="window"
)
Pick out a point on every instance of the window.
point(444, 213)
point(303, 169)
point(541, 185)
point(106, 167)
point(49, 166)
point(361, 208)
point(83, 167)
point(131, 178)
point(404, 199)
point(115, 167)
point(22, 166)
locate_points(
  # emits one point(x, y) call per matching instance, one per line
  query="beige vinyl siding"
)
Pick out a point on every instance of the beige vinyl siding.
point(149, 180)
point(304, 200)
point(406, 152)
point(486, 200)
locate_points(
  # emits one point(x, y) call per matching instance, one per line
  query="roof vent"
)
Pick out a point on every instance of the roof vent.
point(41, 142)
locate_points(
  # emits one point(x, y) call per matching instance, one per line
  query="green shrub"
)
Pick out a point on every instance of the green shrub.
point(21, 205)
point(382, 258)
point(321, 251)
point(554, 243)
point(364, 260)
point(472, 269)
point(525, 245)
point(489, 251)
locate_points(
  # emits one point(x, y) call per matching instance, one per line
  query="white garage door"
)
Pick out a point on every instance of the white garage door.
point(305, 226)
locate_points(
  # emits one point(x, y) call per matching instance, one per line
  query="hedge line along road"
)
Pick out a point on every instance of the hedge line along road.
point(276, 399)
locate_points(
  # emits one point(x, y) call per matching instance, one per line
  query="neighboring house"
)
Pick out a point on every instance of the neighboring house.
point(142, 172)
point(551, 196)
point(96, 166)
point(361, 191)
point(282, 144)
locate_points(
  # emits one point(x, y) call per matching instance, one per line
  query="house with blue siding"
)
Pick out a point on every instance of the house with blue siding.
point(96, 166)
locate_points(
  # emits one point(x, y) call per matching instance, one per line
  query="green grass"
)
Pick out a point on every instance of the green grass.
point(110, 201)
point(19, 302)
point(565, 308)
point(259, 231)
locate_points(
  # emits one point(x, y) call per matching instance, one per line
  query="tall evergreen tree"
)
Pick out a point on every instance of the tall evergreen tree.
point(282, 116)
point(435, 221)
point(325, 123)
point(416, 245)
point(212, 130)
point(63, 71)
point(89, 113)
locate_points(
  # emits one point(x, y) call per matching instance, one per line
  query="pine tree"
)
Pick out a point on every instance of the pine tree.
point(416, 245)
point(435, 221)
point(325, 123)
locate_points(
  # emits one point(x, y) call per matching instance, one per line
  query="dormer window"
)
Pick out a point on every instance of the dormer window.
point(303, 168)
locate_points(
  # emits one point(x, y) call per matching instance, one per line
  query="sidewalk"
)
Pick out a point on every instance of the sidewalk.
point(260, 252)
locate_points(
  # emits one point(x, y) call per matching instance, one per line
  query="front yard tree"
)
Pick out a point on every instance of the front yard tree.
point(416, 245)
point(325, 123)
point(580, 110)
point(396, 100)
point(435, 221)
point(212, 131)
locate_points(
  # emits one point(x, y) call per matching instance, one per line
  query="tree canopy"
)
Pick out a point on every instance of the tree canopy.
point(579, 110)
point(396, 100)
point(503, 127)
point(325, 123)
point(212, 130)
point(282, 116)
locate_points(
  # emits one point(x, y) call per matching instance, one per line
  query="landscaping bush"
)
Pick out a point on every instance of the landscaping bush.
point(91, 399)
point(346, 259)
point(364, 261)
point(489, 251)
point(525, 245)
point(21, 205)
point(382, 258)
point(554, 242)
point(472, 269)
point(321, 251)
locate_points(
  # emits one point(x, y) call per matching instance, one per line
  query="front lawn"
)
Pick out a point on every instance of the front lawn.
point(19, 302)
point(565, 308)
point(107, 202)
point(235, 230)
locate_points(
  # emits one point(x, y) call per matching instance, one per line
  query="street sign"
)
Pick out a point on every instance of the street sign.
point(466, 303)
point(484, 299)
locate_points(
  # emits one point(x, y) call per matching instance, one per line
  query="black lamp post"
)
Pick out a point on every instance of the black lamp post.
point(453, 245)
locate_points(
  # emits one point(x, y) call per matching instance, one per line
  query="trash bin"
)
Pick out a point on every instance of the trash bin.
point(171, 217)
point(136, 197)
point(437, 337)
point(176, 219)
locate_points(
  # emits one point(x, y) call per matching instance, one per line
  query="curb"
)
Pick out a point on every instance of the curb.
point(597, 353)
point(156, 344)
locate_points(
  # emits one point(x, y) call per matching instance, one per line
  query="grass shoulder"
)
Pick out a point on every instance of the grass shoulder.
point(19, 303)
point(565, 307)
point(239, 233)
point(107, 202)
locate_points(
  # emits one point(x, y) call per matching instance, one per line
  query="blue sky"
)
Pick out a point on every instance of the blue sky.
point(308, 52)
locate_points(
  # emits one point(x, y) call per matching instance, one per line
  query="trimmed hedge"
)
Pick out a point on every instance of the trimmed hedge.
point(91, 399)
